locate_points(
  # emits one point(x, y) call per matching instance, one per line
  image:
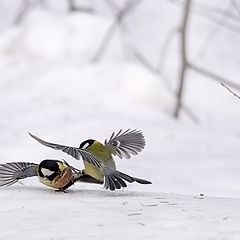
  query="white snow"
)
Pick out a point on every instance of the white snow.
point(50, 87)
point(88, 213)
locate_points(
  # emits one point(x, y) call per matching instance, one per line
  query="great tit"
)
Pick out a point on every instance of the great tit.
point(52, 173)
point(123, 144)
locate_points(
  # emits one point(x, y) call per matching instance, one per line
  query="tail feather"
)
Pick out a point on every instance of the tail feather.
point(122, 183)
point(10, 173)
point(141, 181)
point(126, 177)
point(115, 180)
point(107, 183)
point(111, 183)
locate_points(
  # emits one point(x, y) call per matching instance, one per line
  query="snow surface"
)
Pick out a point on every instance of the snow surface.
point(50, 87)
point(38, 213)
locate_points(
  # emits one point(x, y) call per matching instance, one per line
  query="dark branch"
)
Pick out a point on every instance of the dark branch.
point(184, 60)
point(232, 92)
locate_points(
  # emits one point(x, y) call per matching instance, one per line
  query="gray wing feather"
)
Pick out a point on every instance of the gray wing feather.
point(125, 144)
point(10, 173)
point(76, 153)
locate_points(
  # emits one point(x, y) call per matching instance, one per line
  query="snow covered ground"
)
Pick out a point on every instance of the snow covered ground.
point(36, 213)
point(50, 87)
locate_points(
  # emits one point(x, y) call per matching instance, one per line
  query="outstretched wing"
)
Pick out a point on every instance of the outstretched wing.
point(77, 153)
point(123, 144)
point(10, 173)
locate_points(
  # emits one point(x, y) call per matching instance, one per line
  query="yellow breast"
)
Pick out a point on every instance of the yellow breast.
point(93, 171)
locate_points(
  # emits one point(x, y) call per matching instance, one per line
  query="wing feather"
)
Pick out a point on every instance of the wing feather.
point(10, 173)
point(76, 153)
point(127, 143)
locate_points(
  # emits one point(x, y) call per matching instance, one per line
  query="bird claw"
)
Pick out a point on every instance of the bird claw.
point(61, 191)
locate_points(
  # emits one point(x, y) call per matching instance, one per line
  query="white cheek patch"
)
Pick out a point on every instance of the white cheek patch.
point(46, 172)
point(85, 145)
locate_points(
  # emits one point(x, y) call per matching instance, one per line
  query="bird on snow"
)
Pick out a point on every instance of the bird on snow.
point(100, 163)
point(52, 173)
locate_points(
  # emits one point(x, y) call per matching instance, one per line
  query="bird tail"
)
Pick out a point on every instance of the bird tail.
point(10, 173)
point(116, 180)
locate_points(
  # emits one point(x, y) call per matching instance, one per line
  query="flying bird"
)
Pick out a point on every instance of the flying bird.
point(98, 158)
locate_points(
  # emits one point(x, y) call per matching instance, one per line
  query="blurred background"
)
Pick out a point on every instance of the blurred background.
point(74, 70)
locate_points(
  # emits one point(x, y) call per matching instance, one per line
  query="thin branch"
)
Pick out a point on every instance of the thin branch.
point(165, 47)
point(145, 63)
point(210, 16)
point(24, 8)
point(184, 60)
point(105, 42)
point(210, 10)
point(22, 11)
point(225, 24)
point(213, 32)
point(213, 76)
point(231, 91)
point(218, 11)
point(122, 13)
point(73, 7)
point(236, 6)
point(142, 59)
point(148, 65)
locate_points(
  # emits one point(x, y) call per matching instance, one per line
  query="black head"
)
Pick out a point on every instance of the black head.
point(86, 144)
point(49, 169)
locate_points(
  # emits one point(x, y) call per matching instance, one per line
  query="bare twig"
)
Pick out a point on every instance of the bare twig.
point(214, 76)
point(228, 13)
point(236, 6)
point(165, 47)
point(211, 15)
point(184, 60)
point(225, 24)
point(122, 13)
point(24, 8)
point(73, 7)
point(199, 7)
point(232, 92)
point(143, 60)
point(105, 41)
point(213, 33)
point(145, 63)
point(22, 11)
